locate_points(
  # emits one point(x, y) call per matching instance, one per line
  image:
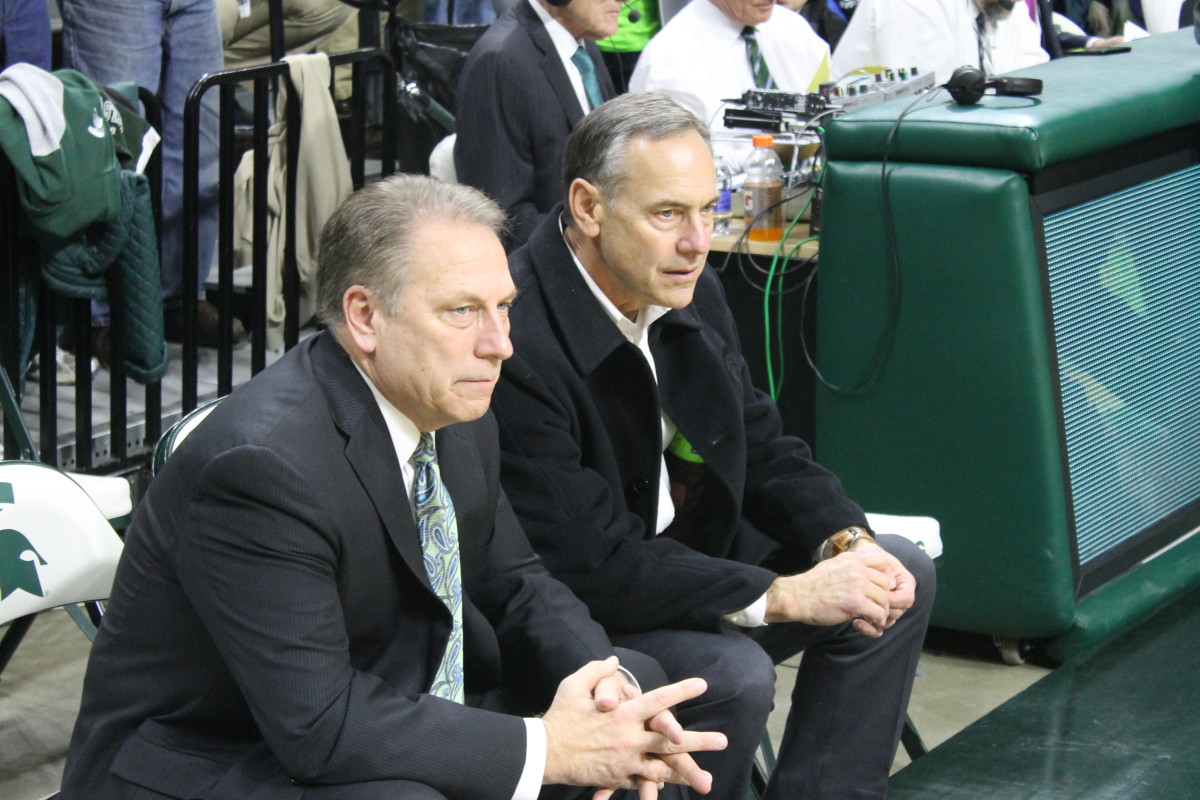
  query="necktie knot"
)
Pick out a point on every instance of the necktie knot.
point(749, 32)
point(587, 71)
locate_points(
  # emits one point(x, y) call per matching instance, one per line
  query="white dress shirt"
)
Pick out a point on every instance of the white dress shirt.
point(699, 59)
point(566, 45)
point(405, 438)
point(935, 36)
point(637, 332)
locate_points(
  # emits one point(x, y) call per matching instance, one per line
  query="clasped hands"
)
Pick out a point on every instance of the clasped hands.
point(866, 584)
point(602, 731)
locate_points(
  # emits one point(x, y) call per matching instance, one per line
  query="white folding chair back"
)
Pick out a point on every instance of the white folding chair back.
point(175, 434)
point(56, 547)
point(924, 532)
point(441, 160)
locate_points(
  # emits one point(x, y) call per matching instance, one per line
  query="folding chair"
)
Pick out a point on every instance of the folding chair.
point(56, 551)
point(113, 495)
point(175, 434)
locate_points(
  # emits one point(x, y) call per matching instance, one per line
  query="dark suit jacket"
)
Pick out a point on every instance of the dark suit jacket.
point(579, 416)
point(272, 601)
point(516, 109)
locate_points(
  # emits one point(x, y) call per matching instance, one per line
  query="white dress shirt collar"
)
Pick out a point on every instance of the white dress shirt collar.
point(635, 330)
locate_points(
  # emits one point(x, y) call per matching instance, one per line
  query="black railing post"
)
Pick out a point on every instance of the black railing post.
point(227, 165)
point(192, 111)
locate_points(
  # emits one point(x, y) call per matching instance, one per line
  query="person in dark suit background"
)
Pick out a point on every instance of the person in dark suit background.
point(520, 94)
point(657, 483)
point(277, 628)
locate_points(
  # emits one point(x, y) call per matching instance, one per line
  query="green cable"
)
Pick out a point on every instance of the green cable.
point(772, 388)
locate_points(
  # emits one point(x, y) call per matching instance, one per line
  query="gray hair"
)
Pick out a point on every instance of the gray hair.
point(597, 148)
point(370, 239)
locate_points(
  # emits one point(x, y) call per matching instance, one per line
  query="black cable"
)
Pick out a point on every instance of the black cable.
point(893, 309)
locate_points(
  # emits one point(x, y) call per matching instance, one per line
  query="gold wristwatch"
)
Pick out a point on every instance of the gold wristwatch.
point(842, 541)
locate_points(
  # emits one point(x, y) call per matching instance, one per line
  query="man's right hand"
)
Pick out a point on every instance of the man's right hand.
point(633, 746)
point(852, 586)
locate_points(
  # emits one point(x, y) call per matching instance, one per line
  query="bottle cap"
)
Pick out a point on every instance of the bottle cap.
point(763, 140)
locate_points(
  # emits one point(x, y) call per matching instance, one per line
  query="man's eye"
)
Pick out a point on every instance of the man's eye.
point(669, 213)
point(461, 311)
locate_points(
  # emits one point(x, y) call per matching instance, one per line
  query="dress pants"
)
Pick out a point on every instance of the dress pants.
point(848, 702)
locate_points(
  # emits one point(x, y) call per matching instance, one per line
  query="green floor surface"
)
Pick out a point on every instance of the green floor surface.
point(1122, 723)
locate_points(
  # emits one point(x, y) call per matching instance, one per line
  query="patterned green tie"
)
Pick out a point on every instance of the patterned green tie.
point(762, 75)
point(587, 71)
point(438, 529)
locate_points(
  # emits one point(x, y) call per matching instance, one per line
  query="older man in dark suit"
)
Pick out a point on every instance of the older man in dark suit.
point(525, 84)
point(656, 481)
point(291, 620)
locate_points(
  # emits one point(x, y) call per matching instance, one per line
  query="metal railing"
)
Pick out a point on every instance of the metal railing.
point(84, 445)
point(265, 80)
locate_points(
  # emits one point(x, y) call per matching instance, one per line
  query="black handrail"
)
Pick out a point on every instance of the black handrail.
point(262, 78)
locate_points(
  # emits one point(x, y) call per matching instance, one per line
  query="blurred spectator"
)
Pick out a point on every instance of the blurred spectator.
point(640, 21)
point(939, 36)
point(703, 56)
point(25, 32)
point(459, 12)
point(525, 85)
point(307, 25)
point(165, 46)
point(827, 17)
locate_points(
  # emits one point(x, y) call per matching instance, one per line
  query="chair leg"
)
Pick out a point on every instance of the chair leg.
point(762, 767)
point(12, 638)
point(758, 782)
point(83, 620)
point(912, 740)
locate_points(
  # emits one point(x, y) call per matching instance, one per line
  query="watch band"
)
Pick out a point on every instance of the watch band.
point(843, 540)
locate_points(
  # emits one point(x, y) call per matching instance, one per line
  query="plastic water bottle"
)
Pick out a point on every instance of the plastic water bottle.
point(763, 207)
point(723, 214)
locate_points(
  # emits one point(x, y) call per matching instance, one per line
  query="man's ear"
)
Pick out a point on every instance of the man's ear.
point(587, 207)
point(359, 307)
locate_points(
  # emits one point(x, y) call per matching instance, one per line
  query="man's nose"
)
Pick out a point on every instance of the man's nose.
point(697, 235)
point(493, 339)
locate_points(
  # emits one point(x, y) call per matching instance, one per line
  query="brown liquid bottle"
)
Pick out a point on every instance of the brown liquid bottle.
point(762, 203)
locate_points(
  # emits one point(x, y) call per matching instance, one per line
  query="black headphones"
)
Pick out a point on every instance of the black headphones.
point(968, 84)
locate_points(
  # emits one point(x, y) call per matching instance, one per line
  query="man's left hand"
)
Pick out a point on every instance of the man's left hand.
point(902, 594)
point(615, 689)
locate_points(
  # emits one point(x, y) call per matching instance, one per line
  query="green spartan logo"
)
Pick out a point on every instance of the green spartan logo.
point(19, 559)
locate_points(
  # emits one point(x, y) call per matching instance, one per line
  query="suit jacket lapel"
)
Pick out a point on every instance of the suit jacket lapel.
point(369, 450)
point(551, 64)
